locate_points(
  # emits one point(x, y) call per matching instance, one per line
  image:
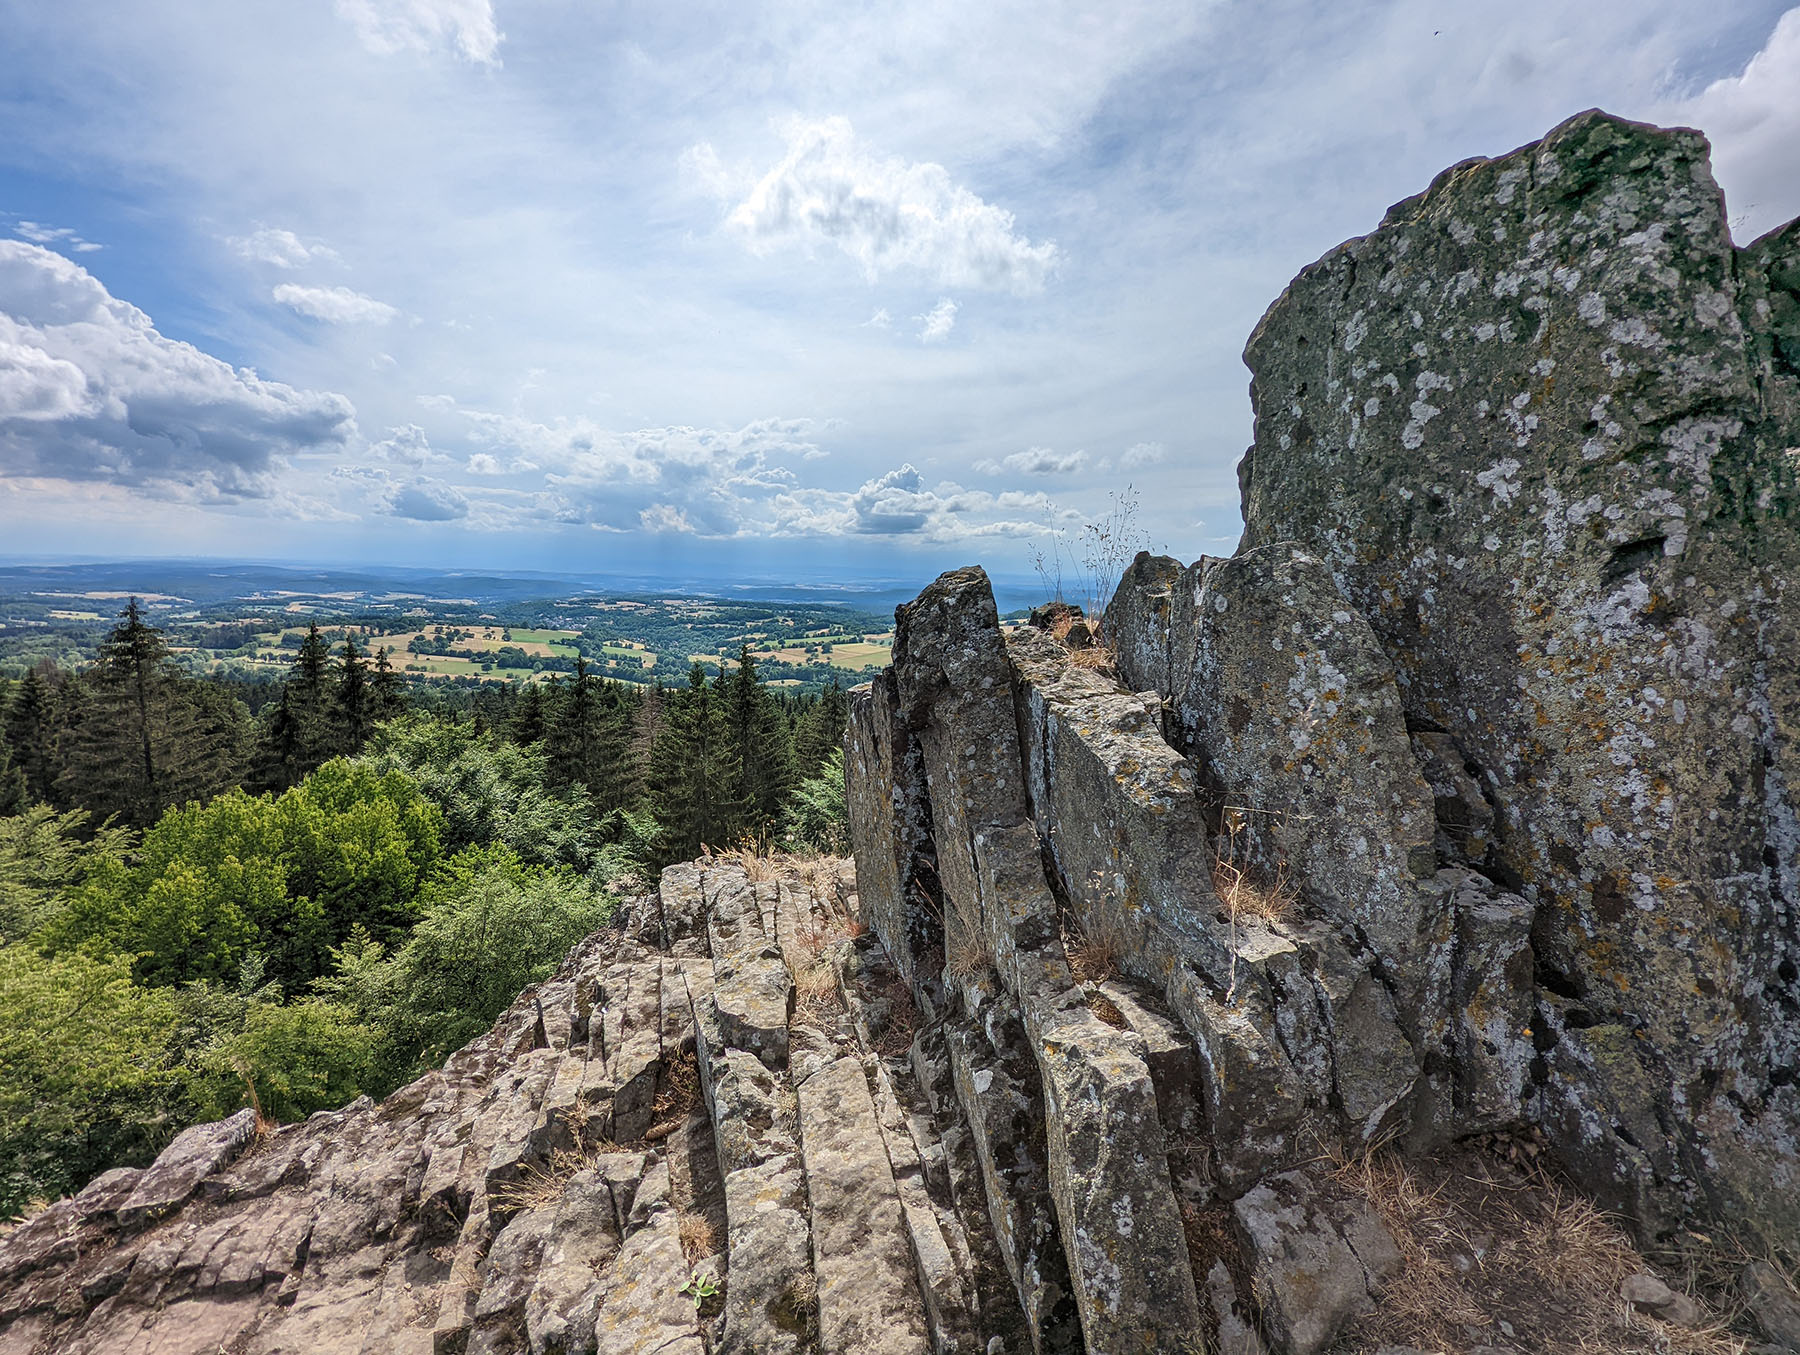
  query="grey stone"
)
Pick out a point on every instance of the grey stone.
point(1317, 1254)
point(1535, 428)
point(1773, 1303)
point(176, 1174)
point(868, 1289)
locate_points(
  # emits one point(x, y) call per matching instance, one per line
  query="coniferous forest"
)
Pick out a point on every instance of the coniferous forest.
point(201, 908)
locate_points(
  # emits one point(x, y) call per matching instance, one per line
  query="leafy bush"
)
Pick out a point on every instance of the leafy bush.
point(287, 1060)
point(490, 790)
point(84, 1076)
point(490, 926)
point(287, 877)
point(42, 853)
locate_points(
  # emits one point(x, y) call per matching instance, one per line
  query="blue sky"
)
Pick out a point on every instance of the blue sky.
point(793, 289)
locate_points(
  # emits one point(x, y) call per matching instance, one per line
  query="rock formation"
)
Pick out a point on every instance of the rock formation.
point(1457, 802)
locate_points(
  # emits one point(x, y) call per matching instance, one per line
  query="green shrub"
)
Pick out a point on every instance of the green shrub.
point(85, 1081)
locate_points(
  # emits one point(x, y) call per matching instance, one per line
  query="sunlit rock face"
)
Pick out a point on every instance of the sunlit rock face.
point(1540, 428)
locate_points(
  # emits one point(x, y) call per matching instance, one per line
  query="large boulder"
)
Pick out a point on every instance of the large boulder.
point(1539, 429)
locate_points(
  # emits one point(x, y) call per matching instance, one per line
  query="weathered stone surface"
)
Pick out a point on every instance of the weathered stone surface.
point(770, 1305)
point(1317, 1256)
point(868, 1288)
point(1773, 1303)
point(751, 985)
point(1289, 707)
point(1535, 427)
point(178, 1170)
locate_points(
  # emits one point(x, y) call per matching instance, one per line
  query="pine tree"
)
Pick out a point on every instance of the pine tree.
point(31, 720)
point(762, 749)
point(528, 723)
point(280, 745)
point(148, 737)
point(355, 705)
point(387, 689)
point(821, 729)
point(693, 772)
point(589, 740)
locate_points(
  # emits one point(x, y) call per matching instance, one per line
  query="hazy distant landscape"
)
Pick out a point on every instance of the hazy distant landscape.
point(247, 622)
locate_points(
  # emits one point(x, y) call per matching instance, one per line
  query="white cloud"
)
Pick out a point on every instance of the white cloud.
point(334, 305)
point(935, 325)
point(880, 320)
point(424, 499)
point(1034, 461)
point(886, 213)
point(282, 248)
point(1143, 454)
point(90, 391)
point(390, 26)
point(664, 517)
point(406, 446)
point(40, 234)
point(1753, 120)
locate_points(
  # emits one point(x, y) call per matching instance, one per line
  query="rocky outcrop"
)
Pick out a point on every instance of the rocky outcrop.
point(1518, 585)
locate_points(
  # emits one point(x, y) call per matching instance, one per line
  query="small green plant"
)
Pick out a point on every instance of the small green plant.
point(700, 1288)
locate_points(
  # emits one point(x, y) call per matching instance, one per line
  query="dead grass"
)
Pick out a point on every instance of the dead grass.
point(1485, 1242)
point(1092, 950)
point(543, 1183)
point(967, 954)
point(758, 864)
point(1247, 893)
point(898, 1016)
point(677, 1095)
point(699, 1236)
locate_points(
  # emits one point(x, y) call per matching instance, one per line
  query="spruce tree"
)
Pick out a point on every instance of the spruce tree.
point(762, 749)
point(387, 689)
point(148, 737)
point(589, 740)
point(528, 725)
point(31, 721)
point(693, 772)
point(821, 729)
point(355, 705)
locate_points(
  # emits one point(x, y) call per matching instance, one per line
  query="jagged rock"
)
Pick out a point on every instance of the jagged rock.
point(1318, 1255)
point(1535, 428)
point(1773, 1302)
point(178, 1170)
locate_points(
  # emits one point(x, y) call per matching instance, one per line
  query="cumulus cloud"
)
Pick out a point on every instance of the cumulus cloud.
point(1753, 120)
point(389, 26)
point(1143, 454)
point(40, 234)
point(424, 499)
point(89, 390)
point(334, 305)
point(721, 483)
point(935, 325)
point(281, 248)
point(406, 446)
point(895, 503)
point(1035, 461)
point(886, 213)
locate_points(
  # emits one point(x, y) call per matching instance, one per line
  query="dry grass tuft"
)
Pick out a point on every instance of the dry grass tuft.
point(759, 865)
point(899, 1018)
point(1484, 1242)
point(1093, 953)
point(677, 1095)
point(967, 953)
point(699, 1236)
point(543, 1183)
